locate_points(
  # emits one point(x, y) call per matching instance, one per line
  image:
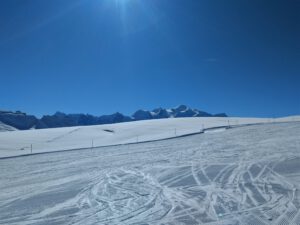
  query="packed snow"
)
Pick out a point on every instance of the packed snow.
point(244, 175)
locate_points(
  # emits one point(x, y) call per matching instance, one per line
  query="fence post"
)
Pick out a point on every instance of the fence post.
point(92, 145)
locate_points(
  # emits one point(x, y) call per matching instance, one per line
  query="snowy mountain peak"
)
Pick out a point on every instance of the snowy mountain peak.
point(181, 108)
point(179, 111)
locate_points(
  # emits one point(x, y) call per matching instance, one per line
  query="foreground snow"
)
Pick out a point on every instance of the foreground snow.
point(58, 139)
point(245, 176)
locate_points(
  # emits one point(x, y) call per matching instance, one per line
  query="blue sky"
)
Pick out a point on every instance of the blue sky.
point(103, 56)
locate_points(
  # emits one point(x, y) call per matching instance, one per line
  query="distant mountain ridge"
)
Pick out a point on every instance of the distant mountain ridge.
point(22, 121)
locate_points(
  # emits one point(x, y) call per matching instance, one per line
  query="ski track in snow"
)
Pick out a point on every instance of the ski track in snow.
point(243, 176)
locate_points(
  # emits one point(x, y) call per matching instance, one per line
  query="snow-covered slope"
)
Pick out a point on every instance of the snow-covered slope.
point(248, 175)
point(5, 127)
point(57, 139)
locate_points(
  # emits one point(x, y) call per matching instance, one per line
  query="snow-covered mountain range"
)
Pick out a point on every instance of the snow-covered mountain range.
point(22, 121)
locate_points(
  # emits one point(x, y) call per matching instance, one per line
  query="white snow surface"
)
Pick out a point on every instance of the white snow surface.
point(246, 175)
point(5, 127)
point(60, 139)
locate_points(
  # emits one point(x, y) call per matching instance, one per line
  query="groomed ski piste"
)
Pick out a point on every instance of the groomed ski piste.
point(216, 171)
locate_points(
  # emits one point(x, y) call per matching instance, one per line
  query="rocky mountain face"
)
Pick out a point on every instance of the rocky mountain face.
point(22, 121)
point(19, 120)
